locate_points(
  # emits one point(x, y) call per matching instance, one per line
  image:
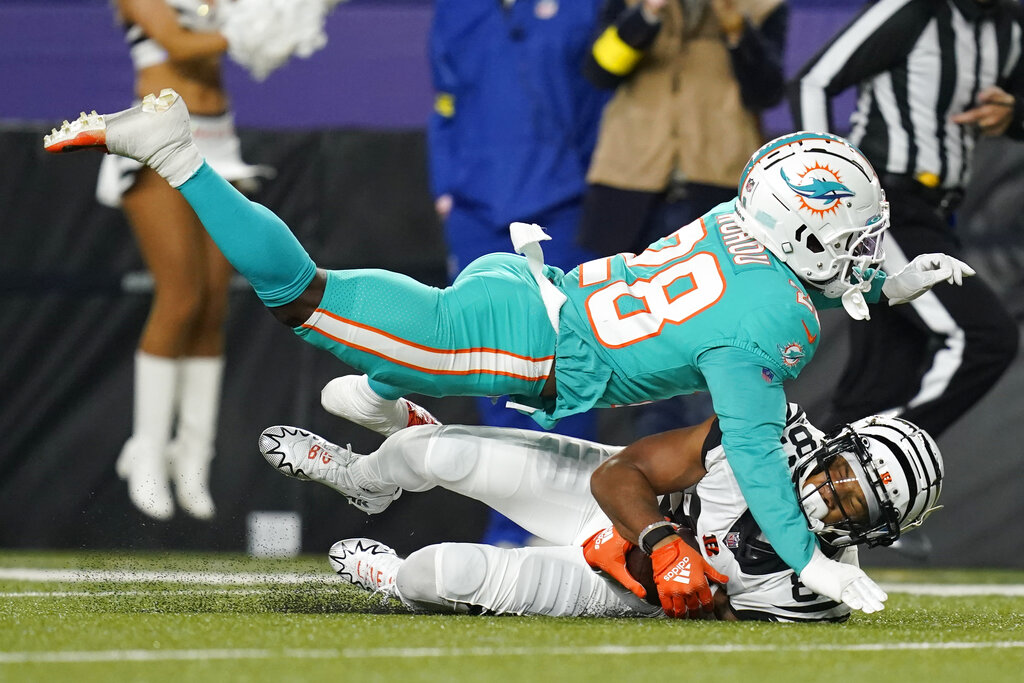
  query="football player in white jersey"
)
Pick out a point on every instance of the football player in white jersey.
point(864, 483)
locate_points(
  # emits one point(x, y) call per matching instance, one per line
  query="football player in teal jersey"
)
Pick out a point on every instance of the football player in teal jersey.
point(727, 304)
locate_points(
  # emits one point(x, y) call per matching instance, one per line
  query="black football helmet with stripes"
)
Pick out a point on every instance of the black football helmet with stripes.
point(899, 468)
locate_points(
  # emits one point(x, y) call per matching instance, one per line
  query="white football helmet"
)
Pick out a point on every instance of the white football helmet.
point(814, 201)
point(899, 469)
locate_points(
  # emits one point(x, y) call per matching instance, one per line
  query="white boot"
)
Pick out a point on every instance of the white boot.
point(157, 133)
point(143, 462)
point(366, 563)
point(297, 453)
point(191, 450)
point(351, 397)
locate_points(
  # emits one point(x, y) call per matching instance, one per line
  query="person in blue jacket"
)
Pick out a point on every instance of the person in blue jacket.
point(726, 304)
point(510, 139)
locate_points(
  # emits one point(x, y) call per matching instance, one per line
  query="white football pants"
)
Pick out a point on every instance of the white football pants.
point(539, 480)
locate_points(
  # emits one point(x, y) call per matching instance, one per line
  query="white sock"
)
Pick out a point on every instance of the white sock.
point(193, 446)
point(398, 462)
point(374, 402)
point(177, 166)
point(143, 460)
point(199, 398)
point(156, 387)
point(351, 397)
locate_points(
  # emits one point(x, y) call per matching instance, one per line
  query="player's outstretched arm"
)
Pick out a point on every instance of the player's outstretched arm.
point(751, 406)
point(751, 415)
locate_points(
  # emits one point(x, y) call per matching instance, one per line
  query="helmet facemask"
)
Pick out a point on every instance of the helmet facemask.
point(898, 468)
point(882, 524)
point(859, 262)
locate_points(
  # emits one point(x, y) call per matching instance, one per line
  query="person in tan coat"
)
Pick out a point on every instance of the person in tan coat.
point(691, 78)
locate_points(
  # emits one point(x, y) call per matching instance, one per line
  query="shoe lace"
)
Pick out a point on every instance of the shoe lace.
point(349, 454)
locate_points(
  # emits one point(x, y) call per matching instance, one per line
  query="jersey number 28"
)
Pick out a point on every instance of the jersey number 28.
point(653, 305)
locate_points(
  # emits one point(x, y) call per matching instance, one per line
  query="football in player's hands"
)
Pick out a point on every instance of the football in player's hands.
point(638, 564)
point(640, 567)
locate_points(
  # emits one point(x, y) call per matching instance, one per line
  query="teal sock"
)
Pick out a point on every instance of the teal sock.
point(385, 391)
point(254, 240)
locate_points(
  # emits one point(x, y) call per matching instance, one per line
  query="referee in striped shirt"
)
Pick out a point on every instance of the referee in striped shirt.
point(931, 75)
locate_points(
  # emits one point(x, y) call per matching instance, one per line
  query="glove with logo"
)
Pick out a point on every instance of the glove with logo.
point(606, 551)
point(682, 580)
point(923, 273)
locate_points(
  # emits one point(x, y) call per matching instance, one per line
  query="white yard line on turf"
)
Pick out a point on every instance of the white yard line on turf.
point(46, 657)
point(955, 589)
point(153, 593)
point(160, 576)
point(287, 578)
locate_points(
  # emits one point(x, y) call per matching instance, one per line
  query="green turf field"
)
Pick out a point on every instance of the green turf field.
point(183, 618)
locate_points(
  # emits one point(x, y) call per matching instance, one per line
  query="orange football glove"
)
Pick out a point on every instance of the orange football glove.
point(606, 550)
point(682, 580)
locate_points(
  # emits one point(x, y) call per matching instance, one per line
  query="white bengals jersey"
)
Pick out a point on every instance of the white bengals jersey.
point(761, 586)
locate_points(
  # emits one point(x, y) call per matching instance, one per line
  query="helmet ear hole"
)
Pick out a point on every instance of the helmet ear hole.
point(813, 245)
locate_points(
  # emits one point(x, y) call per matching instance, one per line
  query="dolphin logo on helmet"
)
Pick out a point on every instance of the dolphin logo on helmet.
point(827, 191)
point(815, 202)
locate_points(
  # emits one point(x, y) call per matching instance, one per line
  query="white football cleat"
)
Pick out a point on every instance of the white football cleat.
point(156, 132)
point(306, 456)
point(144, 467)
point(351, 397)
point(366, 563)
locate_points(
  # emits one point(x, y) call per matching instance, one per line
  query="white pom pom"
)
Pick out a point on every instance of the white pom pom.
point(263, 34)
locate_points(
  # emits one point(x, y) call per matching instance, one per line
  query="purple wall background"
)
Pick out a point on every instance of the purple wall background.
point(59, 56)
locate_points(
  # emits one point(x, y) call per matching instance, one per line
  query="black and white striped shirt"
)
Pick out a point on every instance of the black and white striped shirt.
point(916, 63)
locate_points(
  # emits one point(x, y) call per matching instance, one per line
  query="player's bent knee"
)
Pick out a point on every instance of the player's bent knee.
point(462, 570)
point(298, 311)
point(416, 578)
point(448, 461)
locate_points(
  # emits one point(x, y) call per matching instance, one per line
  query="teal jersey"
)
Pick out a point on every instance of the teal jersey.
point(706, 308)
point(708, 285)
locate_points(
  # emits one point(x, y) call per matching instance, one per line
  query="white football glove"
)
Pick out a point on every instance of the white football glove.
point(921, 274)
point(842, 583)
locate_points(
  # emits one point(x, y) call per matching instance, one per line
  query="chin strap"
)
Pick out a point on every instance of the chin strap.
point(854, 302)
